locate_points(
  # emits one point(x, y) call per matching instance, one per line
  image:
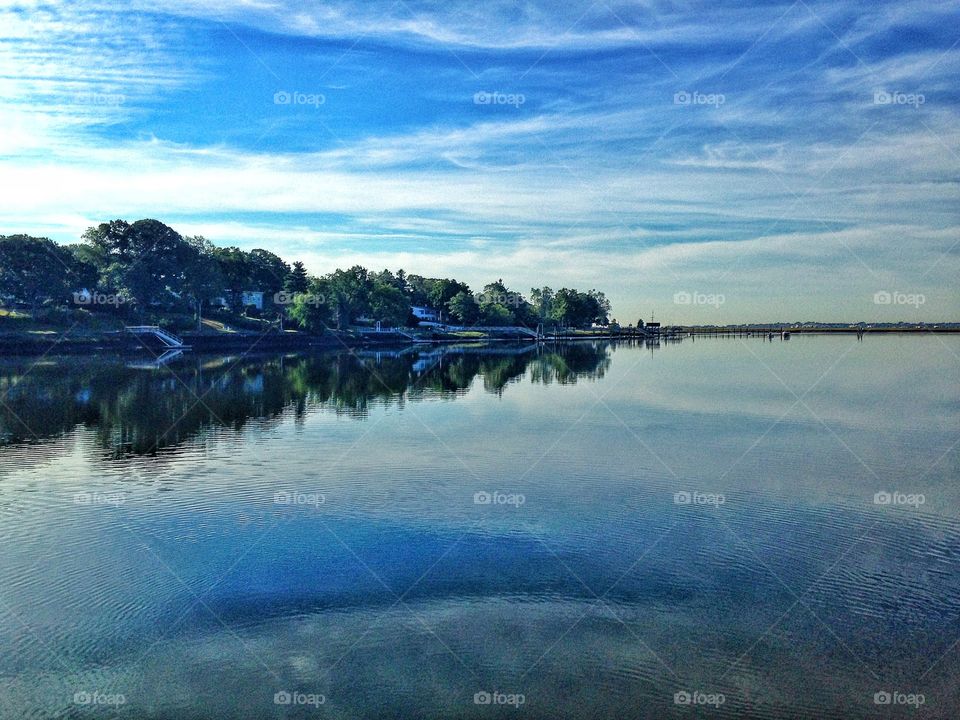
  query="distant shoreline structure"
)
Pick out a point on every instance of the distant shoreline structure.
point(818, 327)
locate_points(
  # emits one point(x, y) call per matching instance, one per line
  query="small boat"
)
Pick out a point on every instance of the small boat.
point(785, 335)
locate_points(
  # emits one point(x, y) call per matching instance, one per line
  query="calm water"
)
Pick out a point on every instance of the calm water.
point(585, 531)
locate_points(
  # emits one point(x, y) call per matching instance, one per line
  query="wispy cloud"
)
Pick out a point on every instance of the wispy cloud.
point(645, 144)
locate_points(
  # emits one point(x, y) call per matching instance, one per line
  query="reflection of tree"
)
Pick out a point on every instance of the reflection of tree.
point(566, 363)
point(137, 412)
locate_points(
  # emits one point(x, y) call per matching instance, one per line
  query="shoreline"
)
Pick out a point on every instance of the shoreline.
point(26, 343)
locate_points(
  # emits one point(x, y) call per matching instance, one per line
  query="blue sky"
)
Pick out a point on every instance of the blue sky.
point(773, 161)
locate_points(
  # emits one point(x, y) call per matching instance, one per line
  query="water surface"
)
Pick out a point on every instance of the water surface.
point(765, 529)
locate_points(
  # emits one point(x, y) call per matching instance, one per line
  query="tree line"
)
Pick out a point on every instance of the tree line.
point(146, 268)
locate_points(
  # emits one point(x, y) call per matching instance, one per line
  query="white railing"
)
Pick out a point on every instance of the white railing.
point(167, 338)
point(504, 329)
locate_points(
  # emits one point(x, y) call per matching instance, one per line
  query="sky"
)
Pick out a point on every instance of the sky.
point(698, 162)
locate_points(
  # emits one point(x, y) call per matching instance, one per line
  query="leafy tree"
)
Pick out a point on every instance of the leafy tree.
point(267, 272)
point(388, 304)
point(347, 294)
point(203, 280)
point(495, 314)
point(397, 280)
point(34, 269)
point(234, 267)
point(297, 280)
point(442, 291)
point(463, 306)
point(576, 308)
point(419, 289)
point(542, 301)
point(85, 265)
point(147, 258)
point(310, 309)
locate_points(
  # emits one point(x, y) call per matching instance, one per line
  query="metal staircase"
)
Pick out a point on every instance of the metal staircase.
point(167, 338)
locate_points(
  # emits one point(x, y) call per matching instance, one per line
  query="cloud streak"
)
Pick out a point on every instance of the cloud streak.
point(611, 172)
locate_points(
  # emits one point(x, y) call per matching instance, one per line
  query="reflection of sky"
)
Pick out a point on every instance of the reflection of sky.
point(398, 491)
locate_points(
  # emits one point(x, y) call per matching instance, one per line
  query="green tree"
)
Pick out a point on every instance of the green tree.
point(542, 301)
point(347, 294)
point(311, 310)
point(268, 272)
point(147, 259)
point(85, 266)
point(34, 269)
point(234, 267)
point(495, 314)
point(389, 305)
point(463, 306)
point(297, 280)
point(442, 291)
point(203, 281)
point(576, 308)
point(419, 289)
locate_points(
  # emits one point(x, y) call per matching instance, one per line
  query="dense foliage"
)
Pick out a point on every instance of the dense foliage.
point(147, 268)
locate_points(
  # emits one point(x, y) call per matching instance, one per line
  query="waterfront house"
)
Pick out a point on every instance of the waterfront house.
point(425, 314)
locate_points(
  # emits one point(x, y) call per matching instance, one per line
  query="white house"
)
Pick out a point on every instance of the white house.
point(252, 297)
point(424, 313)
point(247, 298)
